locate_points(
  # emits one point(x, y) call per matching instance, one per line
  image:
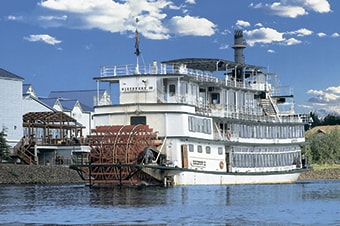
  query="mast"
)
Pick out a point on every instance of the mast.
point(137, 51)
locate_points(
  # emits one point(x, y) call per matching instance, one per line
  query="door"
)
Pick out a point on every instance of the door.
point(184, 151)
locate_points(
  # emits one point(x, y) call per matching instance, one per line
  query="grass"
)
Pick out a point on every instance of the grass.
point(325, 166)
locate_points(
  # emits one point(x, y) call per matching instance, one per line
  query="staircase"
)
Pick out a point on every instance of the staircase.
point(267, 106)
point(24, 150)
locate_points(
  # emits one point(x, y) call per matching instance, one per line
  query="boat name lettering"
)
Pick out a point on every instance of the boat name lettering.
point(198, 163)
point(133, 89)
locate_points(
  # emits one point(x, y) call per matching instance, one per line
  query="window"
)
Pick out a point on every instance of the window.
point(199, 149)
point(136, 120)
point(172, 90)
point(184, 88)
point(220, 150)
point(207, 149)
point(215, 98)
point(191, 148)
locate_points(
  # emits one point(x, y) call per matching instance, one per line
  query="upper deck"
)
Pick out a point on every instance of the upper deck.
point(217, 72)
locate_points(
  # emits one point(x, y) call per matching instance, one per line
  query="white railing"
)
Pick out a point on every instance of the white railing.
point(163, 69)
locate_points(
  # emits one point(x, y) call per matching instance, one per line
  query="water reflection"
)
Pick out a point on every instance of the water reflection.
point(286, 204)
point(127, 196)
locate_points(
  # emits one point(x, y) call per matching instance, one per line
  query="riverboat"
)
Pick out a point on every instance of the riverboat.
point(195, 121)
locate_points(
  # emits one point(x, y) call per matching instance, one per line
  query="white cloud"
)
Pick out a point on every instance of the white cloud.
point(321, 34)
point(189, 25)
point(333, 89)
point(291, 41)
point(222, 47)
point(50, 18)
point(263, 36)
point(319, 6)
point(119, 16)
point(11, 17)
point(295, 8)
point(286, 10)
point(43, 38)
point(190, 1)
point(271, 51)
point(316, 92)
point(301, 32)
point(242, 23)
point(335, 35)
point(266, 35)
point(327, 100)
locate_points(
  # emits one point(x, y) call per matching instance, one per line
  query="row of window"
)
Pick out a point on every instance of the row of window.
point(271, 149)
point(265, 160)
point(203, 125)
point(200, 125)
point(268, 131)
point(207, 149)
point(265, 156)
point(238, 98)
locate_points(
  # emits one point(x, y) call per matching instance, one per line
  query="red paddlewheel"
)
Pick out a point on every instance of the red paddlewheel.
point(119, 145)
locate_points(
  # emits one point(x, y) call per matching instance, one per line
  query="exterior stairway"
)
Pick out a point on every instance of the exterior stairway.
point(267, 107)
point(24, 150)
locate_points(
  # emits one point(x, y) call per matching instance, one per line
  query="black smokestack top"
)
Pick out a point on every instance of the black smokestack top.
point(239, 45)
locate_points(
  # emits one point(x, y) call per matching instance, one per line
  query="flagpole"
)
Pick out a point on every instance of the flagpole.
point(137, 52)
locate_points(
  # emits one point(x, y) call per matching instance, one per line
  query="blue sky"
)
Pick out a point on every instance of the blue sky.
point(61, 44)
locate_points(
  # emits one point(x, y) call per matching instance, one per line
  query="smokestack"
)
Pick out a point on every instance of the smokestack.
point(239, 45)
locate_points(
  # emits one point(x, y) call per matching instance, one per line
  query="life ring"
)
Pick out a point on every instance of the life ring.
point(221, 165)
point(228, 135)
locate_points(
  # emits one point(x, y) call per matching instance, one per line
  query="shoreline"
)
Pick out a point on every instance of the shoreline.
point(325, 174)
point(38, 174)
point(53, 174)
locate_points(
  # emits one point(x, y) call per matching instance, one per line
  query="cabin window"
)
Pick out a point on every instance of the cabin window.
point(193, 90)
point(220, 150)
point(191, 148)
point(207, 149)
point(136, 120)
point(215, 98)
point(202, 96)
point(172, 90)
point(199, 149)
point(184, 88)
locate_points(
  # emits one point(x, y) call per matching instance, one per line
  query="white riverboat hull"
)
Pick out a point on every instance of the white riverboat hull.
point(193, 178)
point(177, 176)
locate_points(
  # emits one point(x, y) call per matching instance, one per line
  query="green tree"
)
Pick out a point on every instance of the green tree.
point(331, 119)
point(4, 147)
point(315, 119)
point(324, 148)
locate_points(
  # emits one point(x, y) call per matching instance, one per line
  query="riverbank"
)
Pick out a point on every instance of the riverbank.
point(24, 174)
point(322, 174)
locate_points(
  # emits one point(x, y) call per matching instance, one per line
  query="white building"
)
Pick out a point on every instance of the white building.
point(32, 103)
point(11, 106)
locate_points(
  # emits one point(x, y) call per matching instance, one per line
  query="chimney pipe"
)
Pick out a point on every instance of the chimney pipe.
point(239, 45)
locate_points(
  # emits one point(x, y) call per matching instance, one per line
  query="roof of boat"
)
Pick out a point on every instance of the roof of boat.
point(208, 64)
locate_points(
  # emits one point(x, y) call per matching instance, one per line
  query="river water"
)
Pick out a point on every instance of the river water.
point(303, 203)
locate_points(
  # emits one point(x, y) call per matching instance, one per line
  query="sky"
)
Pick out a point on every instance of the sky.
point(60, 45)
